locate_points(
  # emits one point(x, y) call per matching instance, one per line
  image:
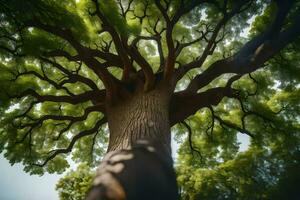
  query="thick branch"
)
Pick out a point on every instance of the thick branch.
point(84, 53)
point(109, 80)
point(147, 69)
point(186, 104)
point(93, 96)
point(118, 41)
point(112, 59)
point(251, 57)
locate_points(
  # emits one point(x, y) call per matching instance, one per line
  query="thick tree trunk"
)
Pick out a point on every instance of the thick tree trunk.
point(138, 164)
point(142, 116)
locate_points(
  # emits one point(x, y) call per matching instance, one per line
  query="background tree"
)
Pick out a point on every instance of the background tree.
point(75, 184)
point(69, 68)
point(269, 108)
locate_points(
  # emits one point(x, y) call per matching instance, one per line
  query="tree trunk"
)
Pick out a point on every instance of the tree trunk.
point(138, 164)
point(141, 116)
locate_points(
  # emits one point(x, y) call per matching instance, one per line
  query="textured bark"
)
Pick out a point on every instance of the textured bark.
point(144, 115)
point(138, 164)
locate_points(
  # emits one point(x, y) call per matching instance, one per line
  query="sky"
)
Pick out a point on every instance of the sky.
point(15, 184)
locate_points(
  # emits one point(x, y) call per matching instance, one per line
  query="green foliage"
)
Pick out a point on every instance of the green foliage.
point(250, 175)
point(261, 22)
point(219, 170)
point(266, 169)
point(36, 42)
point(125, 27)
point(222, 171)
point(75, 184)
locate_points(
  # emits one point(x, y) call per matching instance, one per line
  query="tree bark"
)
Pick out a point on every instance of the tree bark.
point(144, 115)
point(138, 164)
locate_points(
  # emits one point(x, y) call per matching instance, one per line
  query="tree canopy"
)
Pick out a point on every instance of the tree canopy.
point(75, 184)
point(233, 68)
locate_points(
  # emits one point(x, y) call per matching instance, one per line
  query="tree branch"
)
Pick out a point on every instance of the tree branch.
point(69, 148)
point(156, 35)
point(234, 126)
point(87, 111)
point(84, 53)
point(62, 53)
point(253, 55)
point(170, 60)
point(185, 104)
point(146, 67)
point(181, 46)
point(93, 96)
point(72, 120)
point(72, 78)
point(44, 78)
point(212, 41)
point(193, 149)
point(118, 41)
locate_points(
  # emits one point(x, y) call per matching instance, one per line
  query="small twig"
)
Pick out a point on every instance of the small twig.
point(193, 149)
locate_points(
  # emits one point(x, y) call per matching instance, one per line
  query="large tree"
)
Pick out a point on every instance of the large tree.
point(68, 68)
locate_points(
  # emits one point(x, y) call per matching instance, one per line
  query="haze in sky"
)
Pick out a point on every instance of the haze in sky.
point(15, 184)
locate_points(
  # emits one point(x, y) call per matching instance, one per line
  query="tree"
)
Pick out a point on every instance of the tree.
point(75, 184)
point(69, 68)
